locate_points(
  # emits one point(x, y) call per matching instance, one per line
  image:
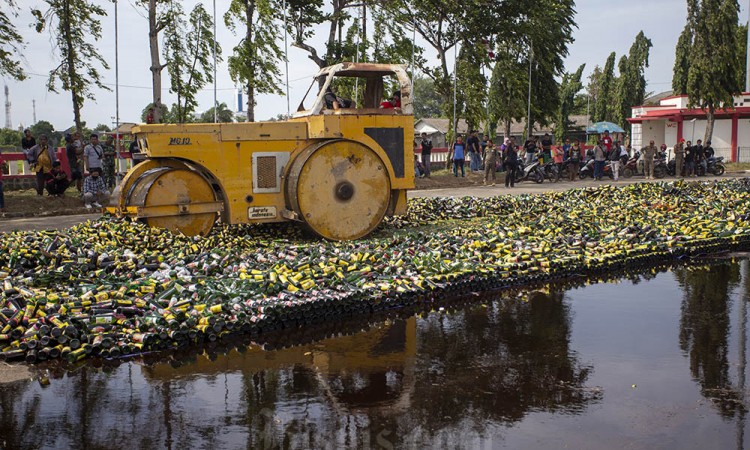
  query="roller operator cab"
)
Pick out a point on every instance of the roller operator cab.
point(337, 170)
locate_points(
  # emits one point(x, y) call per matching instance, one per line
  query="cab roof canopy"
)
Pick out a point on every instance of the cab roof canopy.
point(362, 70)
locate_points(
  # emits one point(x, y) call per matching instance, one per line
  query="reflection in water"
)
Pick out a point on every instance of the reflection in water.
point(423, 381)
point(704, 330)
point(445, 379)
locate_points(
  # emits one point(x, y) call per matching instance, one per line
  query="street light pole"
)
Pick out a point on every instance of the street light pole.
point(747, 56)
point(529, 126)
point(117, 92)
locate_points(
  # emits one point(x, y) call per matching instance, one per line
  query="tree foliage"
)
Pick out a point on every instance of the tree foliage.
point(255, 63)
point(713, 78)
point(571, 84)
point(605, 91)
point(427, 102)
point(682, 61)
point(223, 114)
point(508, 86)
point(73, 24)
point(11, 42)
point(10, 137)
point(472, 85)
point(188, 52)
point(631, 86)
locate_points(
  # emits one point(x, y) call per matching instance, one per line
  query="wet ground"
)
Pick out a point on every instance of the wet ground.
point(655, 360)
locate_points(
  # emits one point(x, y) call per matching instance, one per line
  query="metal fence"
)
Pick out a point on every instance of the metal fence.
point(743, 154)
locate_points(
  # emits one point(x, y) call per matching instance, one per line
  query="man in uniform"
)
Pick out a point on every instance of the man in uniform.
point(679, 157)
point(426, 154)
point(649, 153)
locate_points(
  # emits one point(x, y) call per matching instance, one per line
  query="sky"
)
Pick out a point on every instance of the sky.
point(603, 26)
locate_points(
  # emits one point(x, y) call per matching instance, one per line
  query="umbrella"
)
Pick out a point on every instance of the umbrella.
point(601, 127)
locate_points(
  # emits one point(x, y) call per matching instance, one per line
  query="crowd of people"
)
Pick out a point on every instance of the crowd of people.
point(92, 167)
point(614, 155)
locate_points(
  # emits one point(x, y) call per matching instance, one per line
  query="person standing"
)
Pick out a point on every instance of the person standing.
point(57, 180)
point(530, 149)
point(40, 157)
point(490, 159)
point(689, 160)
point(679, 157)
point(699, 158)
point(475, 152)
point(709, 151)
point(599, 160)
point(27, 141)
point(649, 153)
point(607, 142)
point(93, 154)
point(559, 157)
point(614, 160)
point(108, 162)
point(74, 162)
point(94, 189)
point(547, 148)
point(426, 154)
point(510, 161)
point(574, 160)
point(458, 149)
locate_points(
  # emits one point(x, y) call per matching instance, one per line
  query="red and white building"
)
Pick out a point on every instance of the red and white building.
point(671, 120)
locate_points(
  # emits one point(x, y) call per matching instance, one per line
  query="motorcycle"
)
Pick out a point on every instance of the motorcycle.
point(631, 166)
point(714, 165)
point(588, 170)
point(532, 172)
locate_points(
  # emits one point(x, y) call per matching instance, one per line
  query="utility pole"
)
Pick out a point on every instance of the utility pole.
point(8, 123)
point(529, 125)
point(215, 39)
point(33, 109)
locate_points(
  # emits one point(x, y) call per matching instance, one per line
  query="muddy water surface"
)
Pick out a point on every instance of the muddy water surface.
point(654, 361)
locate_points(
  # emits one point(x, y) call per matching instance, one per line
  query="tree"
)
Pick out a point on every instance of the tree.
point(102, 128)
point(10, 43)
point(426, 100)
point(631, 86)
point(162, 112)
point(45, 128)
point(472, 85)
point(571, 84)
point(682, 52)
point(10, 137)
point(712, 78)
point(602, 110)
point(71, 22)
point(188, 49)
point(256, 59)
point(160, 15)
point(508, 87)
point(223, 114)
point(681, 62)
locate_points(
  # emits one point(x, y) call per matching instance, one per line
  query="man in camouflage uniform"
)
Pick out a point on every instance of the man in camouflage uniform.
point(108, 162)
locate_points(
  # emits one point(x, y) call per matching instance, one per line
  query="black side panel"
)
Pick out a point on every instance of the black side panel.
point(392, 141)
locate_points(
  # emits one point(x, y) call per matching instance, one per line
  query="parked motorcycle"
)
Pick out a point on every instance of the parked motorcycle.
point(714, 165)
point(588, 170)
point(531, 172)
point(631, 167)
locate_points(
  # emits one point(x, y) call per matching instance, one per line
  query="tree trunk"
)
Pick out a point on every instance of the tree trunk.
point(65, 23)
point(249, 11)
point(710, 118)
point(507, 128)
point(156, 66)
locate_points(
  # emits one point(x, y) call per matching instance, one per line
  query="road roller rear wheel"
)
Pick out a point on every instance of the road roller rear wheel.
point(340, 189)
point(159, 191)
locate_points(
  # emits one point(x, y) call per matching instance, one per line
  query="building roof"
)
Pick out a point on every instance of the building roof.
point(655, 99)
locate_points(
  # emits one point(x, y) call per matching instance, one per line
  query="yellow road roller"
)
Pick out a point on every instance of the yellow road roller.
point(337, 166)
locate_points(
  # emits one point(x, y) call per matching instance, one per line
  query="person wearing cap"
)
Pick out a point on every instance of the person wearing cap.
point(94, 189)
point(679, 157)
point(649, 153)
